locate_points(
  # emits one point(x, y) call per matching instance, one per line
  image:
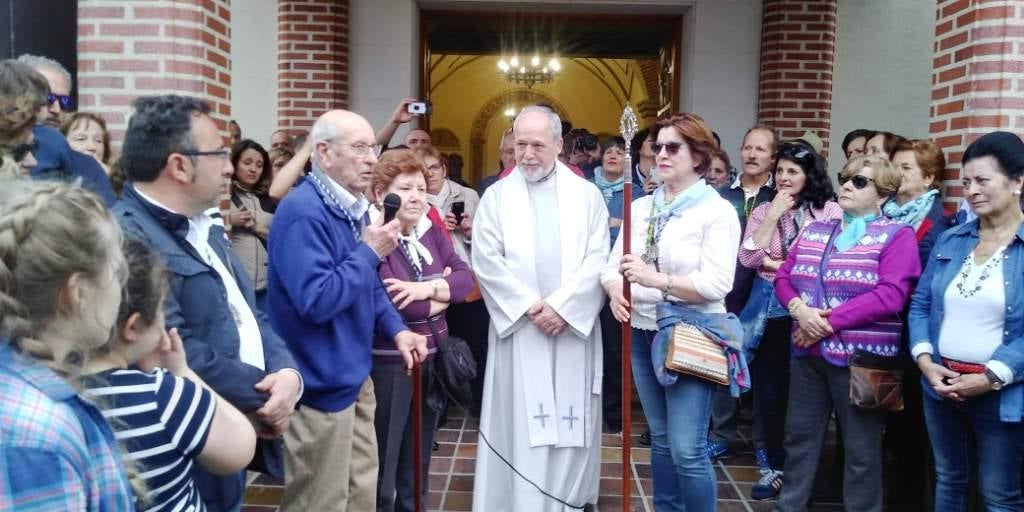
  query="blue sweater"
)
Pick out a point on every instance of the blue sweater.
point(325, 297)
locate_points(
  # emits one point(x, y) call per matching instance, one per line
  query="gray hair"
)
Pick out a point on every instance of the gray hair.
point(553, 119)
point(38, 61)
point(323, 130)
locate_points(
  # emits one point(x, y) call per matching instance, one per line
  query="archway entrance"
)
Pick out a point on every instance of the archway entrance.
point(606, 61)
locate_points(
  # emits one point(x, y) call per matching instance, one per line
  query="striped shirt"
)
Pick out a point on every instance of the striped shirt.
point(163, 422)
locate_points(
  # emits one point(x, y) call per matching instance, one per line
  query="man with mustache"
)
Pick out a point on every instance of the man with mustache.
point(752, 187)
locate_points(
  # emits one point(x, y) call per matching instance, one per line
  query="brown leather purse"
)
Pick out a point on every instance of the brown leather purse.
point(876, 382)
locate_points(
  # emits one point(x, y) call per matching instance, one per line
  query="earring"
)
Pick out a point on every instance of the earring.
point(1016, 192)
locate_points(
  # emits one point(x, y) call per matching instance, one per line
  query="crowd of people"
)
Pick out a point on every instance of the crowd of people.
point(158, 343)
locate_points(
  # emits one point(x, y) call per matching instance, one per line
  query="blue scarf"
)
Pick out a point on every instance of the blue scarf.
point(692, 196)
point(914, 211)
point(608, 188)
point(855, 229)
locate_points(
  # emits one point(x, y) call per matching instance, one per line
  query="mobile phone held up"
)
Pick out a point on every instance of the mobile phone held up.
point(420, 107)
point(458, 209)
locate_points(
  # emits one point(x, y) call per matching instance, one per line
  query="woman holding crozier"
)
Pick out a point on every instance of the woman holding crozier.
point(423, 276)
point(803, 193)
point(689, 237)
point(845, 283)
point(967, 335)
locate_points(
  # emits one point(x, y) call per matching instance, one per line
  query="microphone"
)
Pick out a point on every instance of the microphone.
point(391, 205)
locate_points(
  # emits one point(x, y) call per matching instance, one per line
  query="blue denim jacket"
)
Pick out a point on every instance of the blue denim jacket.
point(926, 307)
point(723, 328)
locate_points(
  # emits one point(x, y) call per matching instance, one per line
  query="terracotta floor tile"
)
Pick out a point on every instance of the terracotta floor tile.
point(458, 501)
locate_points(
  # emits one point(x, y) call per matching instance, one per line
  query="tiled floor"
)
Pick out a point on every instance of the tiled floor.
point(451, 474)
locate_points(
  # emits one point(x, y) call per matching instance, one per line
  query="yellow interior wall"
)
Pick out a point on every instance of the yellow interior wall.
point(461, 86)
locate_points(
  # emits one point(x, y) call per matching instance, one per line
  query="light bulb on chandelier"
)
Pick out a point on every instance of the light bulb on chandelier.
point(530, 75)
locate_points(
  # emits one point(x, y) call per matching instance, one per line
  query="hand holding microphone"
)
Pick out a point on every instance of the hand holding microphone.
point(382, 234)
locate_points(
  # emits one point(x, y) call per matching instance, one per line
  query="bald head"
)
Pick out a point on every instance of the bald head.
point(417, 139)
point(344, 149)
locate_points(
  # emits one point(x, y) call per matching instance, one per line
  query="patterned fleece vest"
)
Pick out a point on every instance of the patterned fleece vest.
point(826, 278)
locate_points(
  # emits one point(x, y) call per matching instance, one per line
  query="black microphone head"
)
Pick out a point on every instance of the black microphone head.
point(391, 205)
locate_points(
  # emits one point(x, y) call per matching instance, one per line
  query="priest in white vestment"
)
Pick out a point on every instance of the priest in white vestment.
point(540, 239)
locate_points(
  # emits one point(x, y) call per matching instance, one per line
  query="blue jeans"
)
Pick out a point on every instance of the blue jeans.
point(681, 471)
point(1000, 453)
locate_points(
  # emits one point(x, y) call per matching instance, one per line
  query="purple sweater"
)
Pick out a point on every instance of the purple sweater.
point(416, 314)
point(866, 287)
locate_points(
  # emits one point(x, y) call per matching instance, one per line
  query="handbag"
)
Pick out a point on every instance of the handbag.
point(692, 352)
point(457, 367)
point(876, 382)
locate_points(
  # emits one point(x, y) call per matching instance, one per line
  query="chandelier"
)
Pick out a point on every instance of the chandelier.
point(528, 75)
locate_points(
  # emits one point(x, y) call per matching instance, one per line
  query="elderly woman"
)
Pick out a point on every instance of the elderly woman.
point(87, 133)
point(688, 236)
point(424, 275)
point(845, 283)
point(803, 193)
point(22, 93)
point(251, 213)
point(967, 334)
point(919, 205)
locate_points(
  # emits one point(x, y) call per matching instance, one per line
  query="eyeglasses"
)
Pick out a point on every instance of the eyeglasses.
point(20, 151)
point(672, 147)
point(859, 181)
point(221, 153)
point(360, 148)
point(788, 151)
point(65, 101)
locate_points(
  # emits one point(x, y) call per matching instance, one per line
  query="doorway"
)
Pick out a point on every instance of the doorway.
point(604, 60)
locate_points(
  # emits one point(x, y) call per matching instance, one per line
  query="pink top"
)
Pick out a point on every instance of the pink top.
point(752, 256)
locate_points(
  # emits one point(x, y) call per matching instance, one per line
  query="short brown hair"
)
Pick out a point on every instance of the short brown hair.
point(75, 118)
point(393, 163)
point(929, 158)
point(887, 178)
point(695, 132)
point(723, 156)
point(432, 152)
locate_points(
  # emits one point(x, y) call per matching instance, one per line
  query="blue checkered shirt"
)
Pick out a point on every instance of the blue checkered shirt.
point(56, 450)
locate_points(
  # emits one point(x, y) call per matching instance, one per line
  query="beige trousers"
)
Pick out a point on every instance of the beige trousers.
point(330, 458)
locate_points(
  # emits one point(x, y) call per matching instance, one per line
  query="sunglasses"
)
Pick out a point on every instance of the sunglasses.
point(858, 180)
point(65, 101)
point(19, 152)
point(672, 147)
point(792, 151)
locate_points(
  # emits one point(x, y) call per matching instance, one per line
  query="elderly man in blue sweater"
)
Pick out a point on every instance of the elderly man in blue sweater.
point(327, 301)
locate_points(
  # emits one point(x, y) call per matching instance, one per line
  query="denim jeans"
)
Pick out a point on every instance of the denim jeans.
point(681, 472)
point(1000, 453)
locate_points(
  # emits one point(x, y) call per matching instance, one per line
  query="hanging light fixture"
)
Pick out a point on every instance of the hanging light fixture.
point(529, 74)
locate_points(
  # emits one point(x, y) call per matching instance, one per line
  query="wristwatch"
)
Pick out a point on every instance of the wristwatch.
point(994, 379)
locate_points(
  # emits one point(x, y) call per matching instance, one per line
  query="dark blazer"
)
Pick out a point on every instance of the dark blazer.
point(743, 280)
point(197, 305)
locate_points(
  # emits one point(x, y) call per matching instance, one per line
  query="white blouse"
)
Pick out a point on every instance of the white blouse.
point(701, 243)
point(975, 305)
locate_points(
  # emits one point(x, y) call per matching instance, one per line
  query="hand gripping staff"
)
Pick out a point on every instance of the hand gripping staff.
point(628, 129)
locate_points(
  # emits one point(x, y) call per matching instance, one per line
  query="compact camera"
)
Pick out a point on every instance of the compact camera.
point(420, 107)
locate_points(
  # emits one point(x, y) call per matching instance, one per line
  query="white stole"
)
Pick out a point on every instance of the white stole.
point(556, 410)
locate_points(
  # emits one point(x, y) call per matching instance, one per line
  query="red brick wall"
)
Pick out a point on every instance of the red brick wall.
point(797, 52)
point(312, 60)
point(977, 77)
point(130, 49)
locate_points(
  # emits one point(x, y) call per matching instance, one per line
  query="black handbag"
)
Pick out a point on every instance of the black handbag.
point(456, 367)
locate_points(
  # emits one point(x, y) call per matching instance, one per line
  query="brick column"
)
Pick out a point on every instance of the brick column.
point(130, 49)
point(312, 60)
point(977, 77)
point(797, 51)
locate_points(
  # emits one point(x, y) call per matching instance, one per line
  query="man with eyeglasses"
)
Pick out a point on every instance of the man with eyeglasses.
point(58, 101)
point(55, 158)
point(176, 165)
point(326, 299)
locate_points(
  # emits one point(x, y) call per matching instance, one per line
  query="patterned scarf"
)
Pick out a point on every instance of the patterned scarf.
point(914, 211)
point(608, 188)
point(855, 229)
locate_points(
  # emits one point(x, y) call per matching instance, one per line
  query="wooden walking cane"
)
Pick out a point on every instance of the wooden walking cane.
point(417, 434)
point(628, 128)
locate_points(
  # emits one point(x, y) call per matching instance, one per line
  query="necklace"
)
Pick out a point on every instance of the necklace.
point(965, 289)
